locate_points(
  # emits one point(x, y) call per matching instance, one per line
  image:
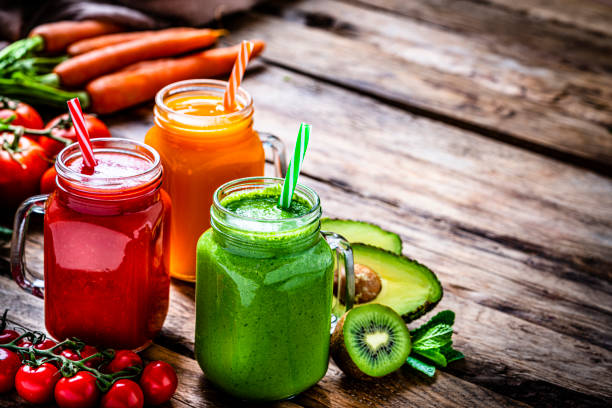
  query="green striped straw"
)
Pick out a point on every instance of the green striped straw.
point(293, 172)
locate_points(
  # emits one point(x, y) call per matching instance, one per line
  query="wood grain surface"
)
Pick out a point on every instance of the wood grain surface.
point(513, 87)
point(479, 131)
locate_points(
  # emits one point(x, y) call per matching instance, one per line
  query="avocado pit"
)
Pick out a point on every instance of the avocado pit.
point(367, 284)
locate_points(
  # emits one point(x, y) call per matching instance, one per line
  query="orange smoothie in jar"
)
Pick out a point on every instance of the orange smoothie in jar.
point(202, 146)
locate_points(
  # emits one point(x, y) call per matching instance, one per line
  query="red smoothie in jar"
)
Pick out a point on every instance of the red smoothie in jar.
point(106, 236)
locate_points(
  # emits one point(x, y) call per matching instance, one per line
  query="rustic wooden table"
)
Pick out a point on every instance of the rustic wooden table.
point(481, 132)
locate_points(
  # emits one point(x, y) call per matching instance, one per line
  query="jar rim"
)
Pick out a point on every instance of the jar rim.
point(110, 144)
point(211, 85)
point(314, 212)
point(256, 237)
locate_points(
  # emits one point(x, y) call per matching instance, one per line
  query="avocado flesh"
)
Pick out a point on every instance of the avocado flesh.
point(409, 288)
point(364, 233)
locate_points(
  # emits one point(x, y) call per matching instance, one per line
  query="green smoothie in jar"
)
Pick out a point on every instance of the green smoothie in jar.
point(263, 292)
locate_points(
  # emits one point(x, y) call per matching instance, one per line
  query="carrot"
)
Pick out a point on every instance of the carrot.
point(90, 44)
point(78, 70)
point(140, 82)
point(60, 34)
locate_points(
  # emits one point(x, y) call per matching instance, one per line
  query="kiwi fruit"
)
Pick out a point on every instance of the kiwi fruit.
point(370, 341)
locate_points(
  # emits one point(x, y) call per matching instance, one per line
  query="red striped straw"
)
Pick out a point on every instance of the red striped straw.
point(229, 98)
point(78, 120)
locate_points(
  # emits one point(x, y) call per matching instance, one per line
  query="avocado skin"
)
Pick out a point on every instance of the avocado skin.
point(368, 227)
point(428, 306)
point(424, 308)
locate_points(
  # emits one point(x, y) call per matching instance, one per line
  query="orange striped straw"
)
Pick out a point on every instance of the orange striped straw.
point(229, 98)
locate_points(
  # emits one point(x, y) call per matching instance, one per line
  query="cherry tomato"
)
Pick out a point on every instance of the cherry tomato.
point(47, 181)
point(79, 391)
point(20, 170)
point(24, 342)
point(46, 344)
point(62, 127)
point(70, 355)
point(123, 359)
point(158, 382)
point(123, 394)
point(9, 365)
point(7, 336)
point(88, 351)
point(25, 115)
point(36, 385)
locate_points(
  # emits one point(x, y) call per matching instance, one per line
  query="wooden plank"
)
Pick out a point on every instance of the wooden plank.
point(493, 29)
point(403, 389)
point(441, 74)
point(592, 15)
point(337, 390)
point(478, 202)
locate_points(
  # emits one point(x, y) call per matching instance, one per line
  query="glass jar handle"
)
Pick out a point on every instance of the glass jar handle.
point(344, 256)
point(22, 217)
point(277, 146)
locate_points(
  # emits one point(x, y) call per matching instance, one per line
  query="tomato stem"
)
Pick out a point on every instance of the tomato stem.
point(68, 368)
point(48, 133)
point(7, 127)
point(17, 133)
point(11, 152)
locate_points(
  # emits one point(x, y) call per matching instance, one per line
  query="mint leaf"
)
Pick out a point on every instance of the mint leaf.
point(432, 344)
point(434, 355)
point(420, 366)
point(445, 316)
point(450, 353)
point(436, 337)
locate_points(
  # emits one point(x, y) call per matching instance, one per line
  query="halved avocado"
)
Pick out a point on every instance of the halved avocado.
point(409, 288)
point(364, 233)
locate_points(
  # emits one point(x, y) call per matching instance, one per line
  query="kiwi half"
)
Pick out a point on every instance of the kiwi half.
point(370, 341)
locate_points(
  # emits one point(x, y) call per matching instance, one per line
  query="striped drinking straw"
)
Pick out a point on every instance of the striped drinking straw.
point(78, 120)
point(229, 98)
point(293, 172)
